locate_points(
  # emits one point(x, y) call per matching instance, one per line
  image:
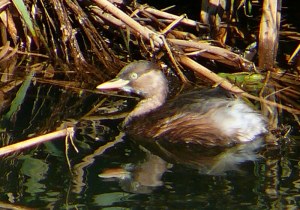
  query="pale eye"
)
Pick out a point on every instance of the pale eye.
point(133, 75)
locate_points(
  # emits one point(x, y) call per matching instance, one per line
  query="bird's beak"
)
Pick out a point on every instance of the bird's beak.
point(116, 83)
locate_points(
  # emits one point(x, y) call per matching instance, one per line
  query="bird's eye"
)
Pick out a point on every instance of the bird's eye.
point(133, 75)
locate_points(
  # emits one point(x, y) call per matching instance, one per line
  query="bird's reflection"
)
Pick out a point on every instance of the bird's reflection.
point(146, 175)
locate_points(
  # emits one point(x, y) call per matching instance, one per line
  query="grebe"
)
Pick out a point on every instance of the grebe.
point(209, 117)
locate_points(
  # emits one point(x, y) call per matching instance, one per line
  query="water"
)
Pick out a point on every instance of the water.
point(113, 172)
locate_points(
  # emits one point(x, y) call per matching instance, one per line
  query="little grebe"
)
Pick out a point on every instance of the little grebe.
point(210, 117)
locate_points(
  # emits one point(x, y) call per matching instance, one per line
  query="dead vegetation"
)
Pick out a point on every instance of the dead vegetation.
point(81, 43)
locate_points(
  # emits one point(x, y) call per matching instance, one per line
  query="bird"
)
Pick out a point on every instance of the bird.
point(205, 116)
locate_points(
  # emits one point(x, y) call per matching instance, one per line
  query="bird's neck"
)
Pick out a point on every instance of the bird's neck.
point(150, 103)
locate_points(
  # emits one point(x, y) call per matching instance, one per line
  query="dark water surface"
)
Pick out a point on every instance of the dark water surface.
point(113, 172)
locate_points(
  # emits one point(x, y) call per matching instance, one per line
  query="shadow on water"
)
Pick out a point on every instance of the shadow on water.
point(112, 171)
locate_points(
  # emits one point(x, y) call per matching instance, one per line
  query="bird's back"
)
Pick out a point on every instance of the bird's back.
point(210, 117)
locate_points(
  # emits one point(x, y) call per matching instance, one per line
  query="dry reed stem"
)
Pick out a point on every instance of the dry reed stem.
point(169, 16)
point(108, 17)
point(172, 58)
point(9, 205)
point(268, 34)
point(198, 68)
point(172, 25)
point(221, 54)
point(144, 31)
point(294, 54)
point(36, 140)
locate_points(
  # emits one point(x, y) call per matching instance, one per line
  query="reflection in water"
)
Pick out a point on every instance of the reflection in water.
point(36, 170)
point(208, 160)
point(146, 175)
point(78, 171)
point(141, 178)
